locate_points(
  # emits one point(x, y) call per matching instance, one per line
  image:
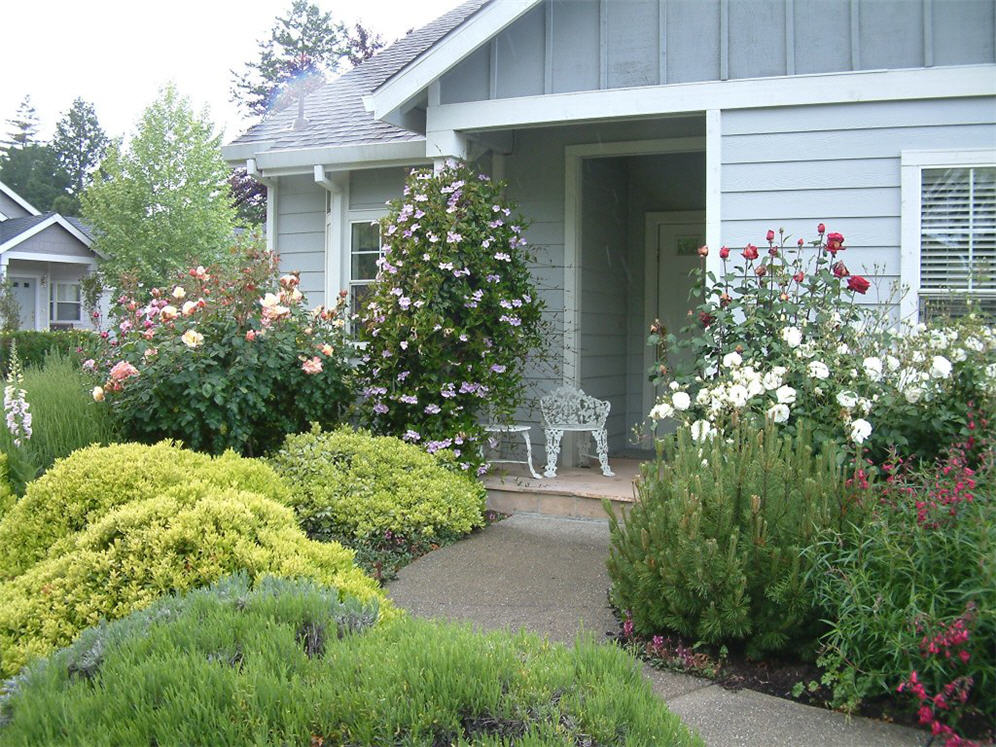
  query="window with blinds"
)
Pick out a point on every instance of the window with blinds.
point(957, 239)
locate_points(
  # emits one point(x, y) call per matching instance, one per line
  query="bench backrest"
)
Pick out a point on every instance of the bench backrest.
point(570, 406)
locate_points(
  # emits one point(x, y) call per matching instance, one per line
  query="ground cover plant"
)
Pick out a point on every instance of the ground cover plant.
point(290, 662)
point(389, 499)
point(713, 549)
point(227, 357)
point(451, 317)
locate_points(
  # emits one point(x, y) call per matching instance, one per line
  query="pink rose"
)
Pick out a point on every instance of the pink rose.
point(123, 370)
point(750, 252)
point(312, 365)
point(770, 236)
point(724, 252)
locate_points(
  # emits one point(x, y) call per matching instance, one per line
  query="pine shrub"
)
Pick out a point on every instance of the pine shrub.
point(172, 541)
point(85, 486)
point(350, 483)
point(713, 549)
point(288, 662)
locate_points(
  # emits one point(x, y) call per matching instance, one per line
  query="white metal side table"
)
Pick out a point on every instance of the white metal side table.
point(524, 430)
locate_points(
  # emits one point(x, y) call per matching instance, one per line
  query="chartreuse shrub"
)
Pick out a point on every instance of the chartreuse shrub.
point(174, 540)
point(7, 498)
point(88, 484)
point(713, 549)
point(910, 595)
point(349, 483)
point(289, 662)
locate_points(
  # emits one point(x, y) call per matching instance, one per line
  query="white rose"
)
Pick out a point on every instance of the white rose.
point(785, 394)
point(860, 430)
point(673, 386)
point(732, 360)
point(792, 336)
point(842, 349)
point(703, 396)
point(819, 370)
point(681, 401)
point(873, 368)
point(778, 413)
point(701, 430)
point(913, 394)
point(940, 367)
point(661, 410)
point(847, 399)
point(974, 343)
point(958, 355)
point(737, 396)
point(892, 362)
point(771, 381)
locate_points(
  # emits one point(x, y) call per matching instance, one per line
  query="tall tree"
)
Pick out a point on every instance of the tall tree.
point(80, 143)
point(163, 204)
point(23, 127)
point(33, 171)
point(307, 41)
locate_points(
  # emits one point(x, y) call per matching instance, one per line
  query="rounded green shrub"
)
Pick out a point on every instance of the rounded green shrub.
point(288, 663)
point(7, 498)
point(172, 541)
point(713, 549)
point(83, 487)
point(347, 482)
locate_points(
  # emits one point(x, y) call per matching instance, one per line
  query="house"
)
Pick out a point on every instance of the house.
point(44, 256)
point(633, 131)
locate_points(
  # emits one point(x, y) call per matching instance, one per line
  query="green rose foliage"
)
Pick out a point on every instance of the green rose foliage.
point(452, 316)
point(226, 359)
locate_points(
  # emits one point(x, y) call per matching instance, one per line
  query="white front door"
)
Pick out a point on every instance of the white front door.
point(672, 242)
point(26, 294)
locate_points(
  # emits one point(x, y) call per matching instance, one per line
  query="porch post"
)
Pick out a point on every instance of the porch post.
point(714, 193)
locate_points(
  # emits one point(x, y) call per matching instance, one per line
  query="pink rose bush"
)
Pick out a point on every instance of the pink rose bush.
point(452, 316)
point(237, 365)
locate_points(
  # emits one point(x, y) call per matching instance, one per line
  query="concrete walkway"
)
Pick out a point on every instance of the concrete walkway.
point(547, 575)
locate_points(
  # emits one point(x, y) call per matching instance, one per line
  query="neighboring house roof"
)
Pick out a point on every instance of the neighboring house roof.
point(17, 230)
point(18, 199)
point(335, 112)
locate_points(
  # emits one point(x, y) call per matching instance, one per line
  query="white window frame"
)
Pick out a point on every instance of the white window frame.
point(913, 162)
point(53, 308)
point(357, 217)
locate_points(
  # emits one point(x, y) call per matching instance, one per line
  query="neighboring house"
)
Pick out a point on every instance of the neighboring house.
point(44, 255)
point(632, 131)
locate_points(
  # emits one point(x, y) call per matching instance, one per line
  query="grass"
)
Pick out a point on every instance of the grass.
point(287, 663)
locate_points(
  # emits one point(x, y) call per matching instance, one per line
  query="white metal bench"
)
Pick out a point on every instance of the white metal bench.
point(570, 409)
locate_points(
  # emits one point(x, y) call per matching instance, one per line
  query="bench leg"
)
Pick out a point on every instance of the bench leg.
point(529, 454)
point(602, 445)
point(553, 437)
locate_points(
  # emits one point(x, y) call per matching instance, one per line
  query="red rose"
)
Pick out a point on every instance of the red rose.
point(706, 318)
point(798, 277)
point(750, 252)
point(800, 242)
point(858, 284)
point(835, 242)
point(724, 252)
point(821, 229)
point(840, 270)
point(770, 236)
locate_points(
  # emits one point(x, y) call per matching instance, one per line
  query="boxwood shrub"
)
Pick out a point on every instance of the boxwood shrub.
point(349, 483)
point(33, 346)
point(287, 662)
point(182, 538)
point(83, 487)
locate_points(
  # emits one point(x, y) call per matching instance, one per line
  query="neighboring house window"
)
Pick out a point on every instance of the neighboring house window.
point(66, 302)
point(364, 250)
point(949, 232)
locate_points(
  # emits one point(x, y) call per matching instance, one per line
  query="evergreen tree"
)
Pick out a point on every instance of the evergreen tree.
point(23, 127)
point(34, 172)
point(163, 204)
point(80, 144)
point(306, 41)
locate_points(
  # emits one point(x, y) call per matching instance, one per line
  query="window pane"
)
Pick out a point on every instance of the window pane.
point(68, 292)
point(366, 237)
point(358, 294)
point(364, 266)
point(67, 312)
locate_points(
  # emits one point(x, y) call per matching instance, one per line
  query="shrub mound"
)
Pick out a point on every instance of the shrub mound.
point(181, 539)
point(85, 486)
point(7, 498)
point(714, 547)
point(349, 483)
point(289, 663)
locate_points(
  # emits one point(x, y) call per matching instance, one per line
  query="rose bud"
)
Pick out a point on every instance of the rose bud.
point(840, 270)
point(739, 349)
point(784, 297)
point(761, 270)
point(724, 252)
point(706, 318)
point(703, 251)
point(799, 276)
point(770, 235)
point(725, 300)
point(821, 229)
point(750, 252)
point(773, 251)
point(800, 242)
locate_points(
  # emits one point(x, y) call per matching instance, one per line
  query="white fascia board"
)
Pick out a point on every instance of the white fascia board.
point(446, 53)
point(949, 158)
point(365, 155)
point(36, 229)
point(18, 199)
point(237, 154)
point(752, 93)
point(43, 257)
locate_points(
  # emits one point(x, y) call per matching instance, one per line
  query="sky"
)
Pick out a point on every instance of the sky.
point(117, 54)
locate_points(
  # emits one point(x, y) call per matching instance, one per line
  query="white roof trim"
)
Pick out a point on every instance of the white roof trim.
point(18, 199)
point(444, 54)
point(52, 220)
point(340, 157)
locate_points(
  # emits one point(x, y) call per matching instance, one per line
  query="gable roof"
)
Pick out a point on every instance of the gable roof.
point(17, 230)
point(335, 112)
point(18, 199)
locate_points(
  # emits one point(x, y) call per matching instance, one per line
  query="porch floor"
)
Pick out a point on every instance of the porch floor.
point(575, 491)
